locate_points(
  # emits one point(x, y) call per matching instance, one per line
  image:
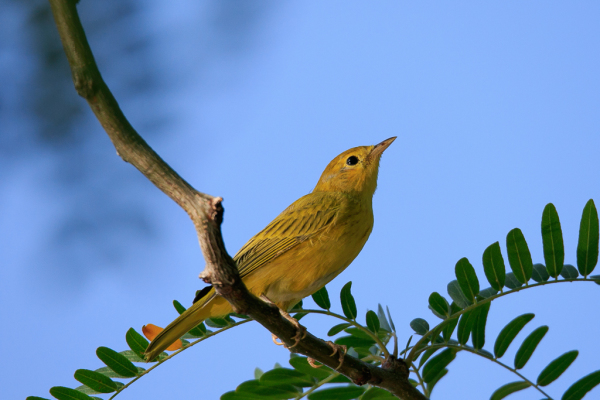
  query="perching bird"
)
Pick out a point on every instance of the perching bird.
point(304, 248)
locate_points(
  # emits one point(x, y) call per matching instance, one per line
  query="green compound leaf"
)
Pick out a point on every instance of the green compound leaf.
point(35, 398)
point(454, 308)
point(436, 379)
point(439, 305)
point(112, 374)
point(375, 393)
point(232, 395)
point(337, 393)
point(280, 376)
point(136, 342)
point(301, 364)
point(348, 303)
point(337, 329)
point(465, 326)
point(390, 318)
point(582, 386)
point(555, 369)
point(519, 256)
point(509, 332)
point(383, 319)
point(87, 390)
point(485, 293)
point(554, 250)
point(539, 274)
point(425, 356)
point(493, 266)
point(131, 356)
point(321, 297)
point(449, 329)
point(508, 389)
point(95, 380)
point(420, 326)
point(434, 366)
point(217, 323)
point(456, 294)
point(569, 272)
point(359, 333)
point(354, 341)
point(512, 282)
point(254, 389)
point(528, 346)
point(467, 279)
point(479, 324)
point(178, 307)
point(587, 247)
point(117, 362)
point(372, 321)
point(65, 393)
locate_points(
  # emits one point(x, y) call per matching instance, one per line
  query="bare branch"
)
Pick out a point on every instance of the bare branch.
point(206, 213)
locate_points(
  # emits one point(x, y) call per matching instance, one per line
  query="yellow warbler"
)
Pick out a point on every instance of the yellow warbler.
point(304, 248)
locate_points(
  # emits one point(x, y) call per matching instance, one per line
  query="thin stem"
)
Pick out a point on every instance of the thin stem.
point(495, 360)
point(318, 385)
point(332, 377)
point(177, 352)
point(419, 346)
point(351, 322)
point(421, 381)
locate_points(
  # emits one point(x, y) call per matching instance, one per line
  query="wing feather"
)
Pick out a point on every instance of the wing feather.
point(301, 221)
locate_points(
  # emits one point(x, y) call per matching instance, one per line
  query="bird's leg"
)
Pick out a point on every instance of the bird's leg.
point(338, 348)
point(300, 330)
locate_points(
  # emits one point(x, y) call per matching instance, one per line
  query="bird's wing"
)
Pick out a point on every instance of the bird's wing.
point(299, 222)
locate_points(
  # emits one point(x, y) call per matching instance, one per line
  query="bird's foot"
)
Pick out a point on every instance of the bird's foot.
point(300, 330)
point(338, 348)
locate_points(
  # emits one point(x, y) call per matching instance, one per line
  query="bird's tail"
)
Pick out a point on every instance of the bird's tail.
point(208, 306)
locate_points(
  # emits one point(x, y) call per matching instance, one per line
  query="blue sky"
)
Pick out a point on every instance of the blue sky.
point(497, 111)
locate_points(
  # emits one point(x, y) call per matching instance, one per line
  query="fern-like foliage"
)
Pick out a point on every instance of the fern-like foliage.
point(462, 329)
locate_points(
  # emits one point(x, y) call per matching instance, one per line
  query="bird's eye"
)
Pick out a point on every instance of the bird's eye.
point(352, 160)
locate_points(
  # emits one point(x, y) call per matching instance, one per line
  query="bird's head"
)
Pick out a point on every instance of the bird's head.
point(354, 171)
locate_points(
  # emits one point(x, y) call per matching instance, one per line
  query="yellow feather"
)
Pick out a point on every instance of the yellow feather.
point(305, 247)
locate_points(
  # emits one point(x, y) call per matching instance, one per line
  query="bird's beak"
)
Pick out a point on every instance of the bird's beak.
point(378, 149)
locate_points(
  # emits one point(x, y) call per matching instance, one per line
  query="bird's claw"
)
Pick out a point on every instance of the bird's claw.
point(338, 348)
point(300, 333)
point(276, 340)
point(300, 330)
point(311, 362)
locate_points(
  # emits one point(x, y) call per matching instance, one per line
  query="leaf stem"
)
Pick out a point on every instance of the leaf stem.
point(330, 378)
point(177, 352)
point(495, 360)
point(415, 370)
point(351, 322)
point(419, 346)
point(318, 385)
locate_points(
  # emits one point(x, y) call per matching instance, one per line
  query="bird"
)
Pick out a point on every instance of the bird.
point(303, 248)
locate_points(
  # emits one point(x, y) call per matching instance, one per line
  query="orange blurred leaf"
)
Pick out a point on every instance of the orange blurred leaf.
point(151, 331)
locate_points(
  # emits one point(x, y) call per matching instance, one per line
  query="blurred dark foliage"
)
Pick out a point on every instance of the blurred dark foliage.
point(101, 204)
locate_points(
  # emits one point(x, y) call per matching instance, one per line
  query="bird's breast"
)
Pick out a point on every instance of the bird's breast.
point(310, 265)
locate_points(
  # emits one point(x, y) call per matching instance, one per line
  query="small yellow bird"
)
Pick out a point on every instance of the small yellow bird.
point(304, 248)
